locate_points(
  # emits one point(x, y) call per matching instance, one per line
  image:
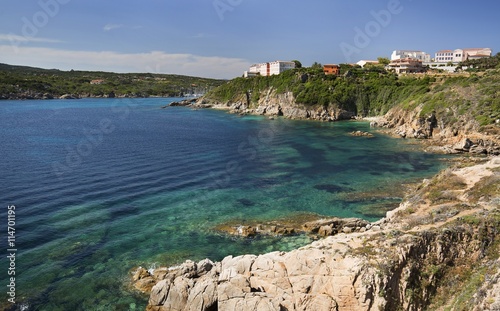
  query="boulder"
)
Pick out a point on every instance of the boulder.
point(325, 231)
point(274, 110)
point(476, 149)
point(246, 231)
point(68, 96)
point(361, 133)
point(261, 110)
point(464, 145)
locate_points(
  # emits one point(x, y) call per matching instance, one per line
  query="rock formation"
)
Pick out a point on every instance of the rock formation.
point(461, 136)
point(274, 104)
point(439, 248)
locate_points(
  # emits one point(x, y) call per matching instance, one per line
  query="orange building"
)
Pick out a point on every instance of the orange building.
point(331, 69)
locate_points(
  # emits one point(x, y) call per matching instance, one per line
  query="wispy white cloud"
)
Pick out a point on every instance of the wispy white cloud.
point(154, 61)
point(109, 27)
point(12, 38)
point(200, 36)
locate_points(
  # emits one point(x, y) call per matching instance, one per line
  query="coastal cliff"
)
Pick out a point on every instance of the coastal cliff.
point(439, 248)
point(274, 104)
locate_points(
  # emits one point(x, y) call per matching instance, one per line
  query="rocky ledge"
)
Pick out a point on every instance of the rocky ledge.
point(438, 249)
point(182, 103)
point(462, 136)
point(319, 227)
point(278, 104)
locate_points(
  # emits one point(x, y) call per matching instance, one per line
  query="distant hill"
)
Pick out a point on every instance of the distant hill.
point(21, 82)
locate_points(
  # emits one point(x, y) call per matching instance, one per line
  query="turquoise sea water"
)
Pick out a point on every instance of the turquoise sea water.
point(104, 185)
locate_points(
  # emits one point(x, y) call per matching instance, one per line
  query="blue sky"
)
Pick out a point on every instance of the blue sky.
point(221, 38)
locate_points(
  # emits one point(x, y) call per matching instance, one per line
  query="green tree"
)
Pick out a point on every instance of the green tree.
point(298, 64)
point(316, 65)
point(383, 61)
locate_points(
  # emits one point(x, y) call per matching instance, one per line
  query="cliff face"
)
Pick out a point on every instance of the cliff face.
point(439, 248)
point(462, 134)
point(272, 103)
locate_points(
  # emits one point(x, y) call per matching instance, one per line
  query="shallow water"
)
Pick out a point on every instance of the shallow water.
point(104, 185)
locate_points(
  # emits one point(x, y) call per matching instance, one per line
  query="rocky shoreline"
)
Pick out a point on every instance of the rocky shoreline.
point(399, 261)
point(275, 104)
point(439, 248)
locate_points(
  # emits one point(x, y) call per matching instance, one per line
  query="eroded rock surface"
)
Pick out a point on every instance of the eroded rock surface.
point(404, 261)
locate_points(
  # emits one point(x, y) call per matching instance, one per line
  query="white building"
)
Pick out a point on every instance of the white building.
point(460, 55)
point(278, 67)
point(419, 55)
point(269, 69)
point(363, 62)
point(406, 65)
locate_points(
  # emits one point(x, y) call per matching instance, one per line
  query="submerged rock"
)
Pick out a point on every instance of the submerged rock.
point(365, 267)
point(362, 134)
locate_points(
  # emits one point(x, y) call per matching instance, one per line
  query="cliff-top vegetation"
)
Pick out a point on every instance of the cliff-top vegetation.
point(372, 91)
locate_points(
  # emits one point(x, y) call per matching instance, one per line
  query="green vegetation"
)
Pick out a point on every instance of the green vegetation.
point(27, 82)
point(481, 64)
point(372, 91)
point(440, 189)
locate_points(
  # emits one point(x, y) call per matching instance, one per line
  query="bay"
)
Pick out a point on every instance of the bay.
point(102, 186)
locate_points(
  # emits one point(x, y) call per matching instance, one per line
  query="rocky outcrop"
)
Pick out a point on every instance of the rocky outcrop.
point(408, 260)
point(185, 102)
point(272, 103)
point(361, 133)
point(319, 227)
point(461, 136)
point(69, 96)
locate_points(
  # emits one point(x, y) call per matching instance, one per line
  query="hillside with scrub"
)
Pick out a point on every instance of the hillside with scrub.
point(369, 91)
point(20, 82)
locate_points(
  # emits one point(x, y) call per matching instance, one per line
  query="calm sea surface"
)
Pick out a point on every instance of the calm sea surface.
point(101, 186)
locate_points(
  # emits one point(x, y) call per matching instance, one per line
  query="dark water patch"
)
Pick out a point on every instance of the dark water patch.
point(331, 188)
point(76, 259)
point(123, 210)
point(246, 202)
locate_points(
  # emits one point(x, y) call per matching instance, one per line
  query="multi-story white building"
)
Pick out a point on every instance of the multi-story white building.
point(406, 65)
point(460, 55)
point(419, 55)
point(269, 69)
point(278, 67)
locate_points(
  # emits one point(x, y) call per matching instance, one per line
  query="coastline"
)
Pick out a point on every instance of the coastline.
point(352, 270)
point(367, 261)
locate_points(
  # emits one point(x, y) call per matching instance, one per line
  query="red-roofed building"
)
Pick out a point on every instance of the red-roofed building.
point(331, 69)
